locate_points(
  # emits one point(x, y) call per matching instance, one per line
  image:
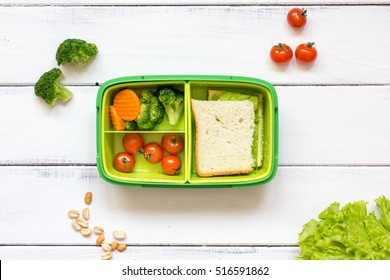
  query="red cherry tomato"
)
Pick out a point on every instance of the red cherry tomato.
point(124, 162)
point(297, 17)
point(173, 143)
point(133, 143)
point(153, 152)
point(306, 52)
point(171, 165)
point(281, 53)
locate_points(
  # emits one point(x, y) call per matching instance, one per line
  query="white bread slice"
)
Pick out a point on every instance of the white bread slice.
point(212, 94)
point(224, 137)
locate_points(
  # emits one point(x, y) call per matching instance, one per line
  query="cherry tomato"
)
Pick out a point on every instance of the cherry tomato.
point(297, 17)
point(124, 162)
point(173, 143)
point(306, 52)
point(281, 53)
point(153, 152)
point(171, 165)
point(133, 143)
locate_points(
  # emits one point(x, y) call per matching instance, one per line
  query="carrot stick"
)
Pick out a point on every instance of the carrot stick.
point(127, 104)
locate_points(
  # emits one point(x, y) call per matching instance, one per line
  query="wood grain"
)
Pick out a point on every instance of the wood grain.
point(192, 2)
point(148, 253)
point(334, 133)
point(231, 40)
point(333, 125)
point(34, 203)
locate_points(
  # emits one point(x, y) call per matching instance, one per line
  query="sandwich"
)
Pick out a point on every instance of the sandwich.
point(224, 137)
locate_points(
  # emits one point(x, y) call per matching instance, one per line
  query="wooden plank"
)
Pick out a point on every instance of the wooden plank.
point(231, 40)
point(42, 134)
point(334, 125)
point(318, 126)
point(192, 2)
point(34, 203)
point(148, 253)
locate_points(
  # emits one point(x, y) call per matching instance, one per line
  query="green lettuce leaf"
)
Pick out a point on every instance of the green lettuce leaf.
point(347, 234)
point(384, 207)
point(234, 96)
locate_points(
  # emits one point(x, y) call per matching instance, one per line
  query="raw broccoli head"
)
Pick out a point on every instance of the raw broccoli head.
point(49, 88)
point(75, 51)
point(152, 111)
point(173, 102)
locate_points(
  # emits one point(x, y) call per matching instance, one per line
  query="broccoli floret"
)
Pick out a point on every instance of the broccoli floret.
point(147, 96)
point(156, 111)
point(49, 88)
point(143, 119)
point(131, 125)
point(173, 103)
point(75, 51)
point(152, 111)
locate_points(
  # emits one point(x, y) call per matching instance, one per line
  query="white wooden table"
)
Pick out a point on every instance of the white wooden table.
point(334, 123)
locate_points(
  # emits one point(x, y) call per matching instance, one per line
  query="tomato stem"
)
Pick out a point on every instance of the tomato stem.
point(304, 12)
point(310, 44)
point(124, 161)
point(281, 46)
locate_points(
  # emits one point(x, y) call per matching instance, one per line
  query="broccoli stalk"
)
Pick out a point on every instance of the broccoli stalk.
point(49, 88)
point(76, 51)
point(173, 103)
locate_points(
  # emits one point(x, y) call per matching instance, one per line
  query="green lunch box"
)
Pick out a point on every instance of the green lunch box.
point(145, 174)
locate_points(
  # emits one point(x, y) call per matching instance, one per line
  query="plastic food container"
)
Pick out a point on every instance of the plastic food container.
point(145, 174)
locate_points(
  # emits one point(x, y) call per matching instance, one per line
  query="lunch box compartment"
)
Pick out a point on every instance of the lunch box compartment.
point(144, 171)
point(199, 91)
point(145, 174)
point(108, 99)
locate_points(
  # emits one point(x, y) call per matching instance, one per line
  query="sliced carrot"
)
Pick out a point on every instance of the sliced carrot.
point(127, 104)
point(116, 120)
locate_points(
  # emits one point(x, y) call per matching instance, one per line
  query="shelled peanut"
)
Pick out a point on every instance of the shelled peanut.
point(81, 223)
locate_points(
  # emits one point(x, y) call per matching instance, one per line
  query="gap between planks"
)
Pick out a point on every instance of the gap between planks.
point(121, 5)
